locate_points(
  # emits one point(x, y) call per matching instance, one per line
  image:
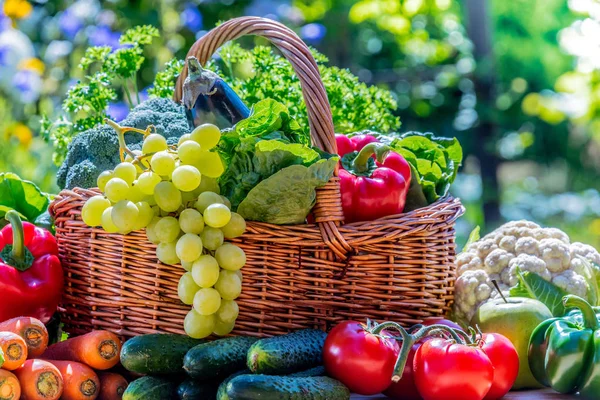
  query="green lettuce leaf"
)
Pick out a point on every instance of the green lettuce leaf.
point(287, 196)
point(533, 286)
point(22, 196)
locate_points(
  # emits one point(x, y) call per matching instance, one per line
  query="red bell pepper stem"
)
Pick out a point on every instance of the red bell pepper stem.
point(16, 255)
point(408, 340)
point(590, 321)
point(361, 162)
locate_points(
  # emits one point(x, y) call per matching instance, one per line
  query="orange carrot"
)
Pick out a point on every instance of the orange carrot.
point(15, 350)
point(112, 386)
point(80, 382)
point(10, 389)
point(40, 380)
point(30, 329)
point(97, 349)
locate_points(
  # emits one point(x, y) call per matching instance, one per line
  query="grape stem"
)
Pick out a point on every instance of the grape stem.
point(121, 130)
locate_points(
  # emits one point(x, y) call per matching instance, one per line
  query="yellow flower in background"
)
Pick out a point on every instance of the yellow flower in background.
point(17, 9)
point(33, 64)
point(21, 132)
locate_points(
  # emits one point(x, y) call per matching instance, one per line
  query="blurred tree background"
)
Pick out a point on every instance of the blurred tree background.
point(518, 82)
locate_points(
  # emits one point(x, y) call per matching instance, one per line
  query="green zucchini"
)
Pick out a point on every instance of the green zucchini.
point(150, 388)
point(268, 387)
point(217, 359)
point(156, 354)
point(282, 355)
point(192, 390)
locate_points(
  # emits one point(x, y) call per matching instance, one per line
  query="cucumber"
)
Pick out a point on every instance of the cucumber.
point(282, 355)
point(316, 371)
point(222, 391)
point(150, 388)
point(217, 359)
point(191, 390)
point(156, 354)
point(268, 387)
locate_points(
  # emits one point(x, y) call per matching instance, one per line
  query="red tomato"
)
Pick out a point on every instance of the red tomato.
point(505, 359)
point(405, 388)
point(362, 361)
point(444, 370)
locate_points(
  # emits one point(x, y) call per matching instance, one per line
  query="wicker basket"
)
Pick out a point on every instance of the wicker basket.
point(397, 268)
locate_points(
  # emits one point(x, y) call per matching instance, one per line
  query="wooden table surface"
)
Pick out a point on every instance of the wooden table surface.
point(522, 395)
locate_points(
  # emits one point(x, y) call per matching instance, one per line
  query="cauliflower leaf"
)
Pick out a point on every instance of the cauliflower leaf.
point(533, 286)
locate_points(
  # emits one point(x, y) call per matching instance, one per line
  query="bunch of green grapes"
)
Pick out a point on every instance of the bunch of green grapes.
point(172, 192)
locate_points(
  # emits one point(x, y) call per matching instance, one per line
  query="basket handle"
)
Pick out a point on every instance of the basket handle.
point(297, 53)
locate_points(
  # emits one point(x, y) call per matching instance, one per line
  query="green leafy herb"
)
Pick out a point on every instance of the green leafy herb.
point(354, 105)
point(474, 236)
point(22, 196)
point(287, 196)
point(88, 100)
point(164, 82)
point(533, 286)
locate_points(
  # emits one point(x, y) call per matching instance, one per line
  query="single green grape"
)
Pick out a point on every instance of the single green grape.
point(125, 171)
point(208, 184)
point(210, 164)
point(187, 288)
point(147, 182)
point(103, 178)
point(167, 196)
point(107, 222)
point(154, 143)
point(229, 311)
point(206, 135)
point(167, 229)
point(92, 210)
point(212, 238)
point(217, 215)
point(223, 328)
point(151, 230)
point(205, 199)
point(191, 221)
point(116, 189)
point(166, 253)
point(146, 215)
point(205, 271)
point(162, 163)
point(189, 247)
point(207, 301)
point(124, 215)
point(189, 152)
point(198, 326)
point(183, 138)
point(229, 285)
point(186, 178)
point(235, 227)
point(135, 194)
point(187, 265)
point(230, 257)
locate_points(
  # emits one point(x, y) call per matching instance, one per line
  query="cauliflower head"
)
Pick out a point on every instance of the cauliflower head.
point(547, 252)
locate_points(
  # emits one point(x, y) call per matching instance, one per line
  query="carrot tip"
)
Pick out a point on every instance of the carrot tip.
point(34, 336)
point(14, 352)
point(108, 349)
point(48, 384)
point(88, 388)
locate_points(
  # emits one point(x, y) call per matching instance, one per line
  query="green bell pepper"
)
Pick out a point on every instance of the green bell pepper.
point(564, 353)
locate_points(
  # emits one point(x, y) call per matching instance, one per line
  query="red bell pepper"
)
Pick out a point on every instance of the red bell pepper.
point(374, 180)
point(31, 277)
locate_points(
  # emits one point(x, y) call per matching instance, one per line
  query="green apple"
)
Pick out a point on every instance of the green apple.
point(515, 318)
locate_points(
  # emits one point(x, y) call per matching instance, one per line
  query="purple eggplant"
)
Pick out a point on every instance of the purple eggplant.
point(209, 99)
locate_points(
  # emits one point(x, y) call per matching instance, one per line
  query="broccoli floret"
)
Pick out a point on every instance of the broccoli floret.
point(97, 150)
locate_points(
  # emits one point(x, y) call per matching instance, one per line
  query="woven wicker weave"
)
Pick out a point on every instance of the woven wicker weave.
point(396, 268)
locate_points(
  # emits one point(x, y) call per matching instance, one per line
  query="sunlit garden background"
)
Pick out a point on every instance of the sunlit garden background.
point(518, 82)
